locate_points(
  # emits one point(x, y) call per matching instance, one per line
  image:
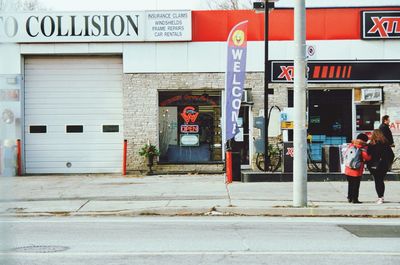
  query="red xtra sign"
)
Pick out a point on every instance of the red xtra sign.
point(380, 24)
point(189, 128)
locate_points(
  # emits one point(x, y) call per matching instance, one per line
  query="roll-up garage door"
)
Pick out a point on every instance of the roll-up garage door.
point(73, 115)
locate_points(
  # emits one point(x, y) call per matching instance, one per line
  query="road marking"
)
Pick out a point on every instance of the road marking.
point(183, 253)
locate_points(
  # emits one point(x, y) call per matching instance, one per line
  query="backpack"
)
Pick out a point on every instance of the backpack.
point(353, 157)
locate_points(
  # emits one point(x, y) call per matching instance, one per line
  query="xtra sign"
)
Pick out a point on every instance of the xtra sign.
point(339, 71)
point(96, 26)
point(380, 24)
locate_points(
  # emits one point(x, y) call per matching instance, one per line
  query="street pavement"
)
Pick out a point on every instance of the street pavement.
point(183, 195)
point(200, 240)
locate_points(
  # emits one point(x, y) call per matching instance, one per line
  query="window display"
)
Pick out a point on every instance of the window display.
point(367, 117)
point(190, 126)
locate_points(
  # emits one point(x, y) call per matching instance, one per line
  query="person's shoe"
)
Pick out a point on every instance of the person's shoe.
point(356, 201)
point(349, 200)
point(380, 200)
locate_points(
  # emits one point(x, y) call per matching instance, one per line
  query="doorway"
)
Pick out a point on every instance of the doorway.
point(329, 112)
point(241, 142)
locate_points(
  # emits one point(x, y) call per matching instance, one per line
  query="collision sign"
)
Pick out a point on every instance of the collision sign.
point(96, 27)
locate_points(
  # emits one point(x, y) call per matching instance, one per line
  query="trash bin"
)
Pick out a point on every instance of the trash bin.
point(236, 167)
point(288, 157)
point(330, 158)
point(233, 166)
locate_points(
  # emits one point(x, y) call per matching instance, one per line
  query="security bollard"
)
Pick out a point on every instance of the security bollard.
point(228, 165)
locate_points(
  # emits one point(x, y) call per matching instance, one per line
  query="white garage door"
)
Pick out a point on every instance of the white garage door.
point(73, 115)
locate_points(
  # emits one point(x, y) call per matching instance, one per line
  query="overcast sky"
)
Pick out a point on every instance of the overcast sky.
point(121, 5)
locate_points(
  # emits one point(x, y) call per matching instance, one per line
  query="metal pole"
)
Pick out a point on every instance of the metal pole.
point(300, 85)
point(266, 73)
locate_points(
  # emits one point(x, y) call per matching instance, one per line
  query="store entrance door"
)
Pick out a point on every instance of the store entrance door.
point(330, 113)
point(241, 143)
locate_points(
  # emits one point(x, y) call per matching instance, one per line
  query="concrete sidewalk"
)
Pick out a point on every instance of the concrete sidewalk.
point(104, 195)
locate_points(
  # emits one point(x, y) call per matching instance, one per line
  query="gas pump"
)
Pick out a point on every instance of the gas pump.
point(274, 130)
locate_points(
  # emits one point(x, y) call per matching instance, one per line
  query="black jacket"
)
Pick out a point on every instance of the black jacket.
point(381, 155)
point(387, 133)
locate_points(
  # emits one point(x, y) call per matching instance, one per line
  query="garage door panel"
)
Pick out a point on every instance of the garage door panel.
point(57, 154)
point(51, 105)
point(83, 91)
point(62, 120)
point(62, 164)
point(56, 112)
point(70, 100)
point(45, 86)
point(71, 147)
point(109, 157)
point(83, 140)
point(100, 67)
point(77, 78)
point(82, 71)
point(95, 128)
point(60, 63)
point(75, 170)
point(90, 95)
point(43, 92)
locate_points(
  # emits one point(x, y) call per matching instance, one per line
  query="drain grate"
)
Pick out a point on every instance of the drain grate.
point(40, 249)
point(382, 231)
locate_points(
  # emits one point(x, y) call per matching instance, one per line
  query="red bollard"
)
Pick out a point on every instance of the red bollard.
point(124, 157)
point(228, 165)
point(19, 161)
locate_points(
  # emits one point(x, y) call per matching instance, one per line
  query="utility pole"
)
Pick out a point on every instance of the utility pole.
point(266, 82)
point(300, 129)
point(265, 6)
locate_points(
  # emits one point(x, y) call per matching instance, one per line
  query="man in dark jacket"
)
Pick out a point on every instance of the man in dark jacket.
point(384, 127)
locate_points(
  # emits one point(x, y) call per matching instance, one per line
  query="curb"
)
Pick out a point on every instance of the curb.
point(311, 177)
point(225, 211)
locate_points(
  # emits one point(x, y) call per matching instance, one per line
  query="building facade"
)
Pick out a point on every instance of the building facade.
point(75, 85)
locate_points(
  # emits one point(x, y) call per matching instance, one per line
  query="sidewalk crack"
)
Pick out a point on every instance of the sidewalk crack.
point(229, 195)
point(83, 205)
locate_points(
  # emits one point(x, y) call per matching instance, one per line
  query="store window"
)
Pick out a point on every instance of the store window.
point(190, 127)
point(367, 117)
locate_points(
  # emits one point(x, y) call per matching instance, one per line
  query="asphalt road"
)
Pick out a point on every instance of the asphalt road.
point(199, 240)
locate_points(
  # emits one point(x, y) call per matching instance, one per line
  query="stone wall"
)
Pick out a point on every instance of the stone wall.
point(141, 108)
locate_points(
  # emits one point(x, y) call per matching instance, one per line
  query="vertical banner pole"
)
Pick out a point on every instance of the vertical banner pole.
point(234, 82)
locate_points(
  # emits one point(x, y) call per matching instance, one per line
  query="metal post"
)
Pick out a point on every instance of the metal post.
point(300, 85)
point(266, 73)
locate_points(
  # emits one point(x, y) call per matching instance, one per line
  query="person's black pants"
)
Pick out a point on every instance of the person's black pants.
point(379, 175)
point(353, 188)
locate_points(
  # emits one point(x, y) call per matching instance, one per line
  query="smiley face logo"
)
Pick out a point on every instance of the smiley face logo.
point(238, 37)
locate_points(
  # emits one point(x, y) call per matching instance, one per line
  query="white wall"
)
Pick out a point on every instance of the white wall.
point(211, 56)
point(200, 56)
point(10, 59)
point(340, 3)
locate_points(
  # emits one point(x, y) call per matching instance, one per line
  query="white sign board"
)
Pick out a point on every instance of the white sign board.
point(96, 26)
point(168, 26)
point(190, 140)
